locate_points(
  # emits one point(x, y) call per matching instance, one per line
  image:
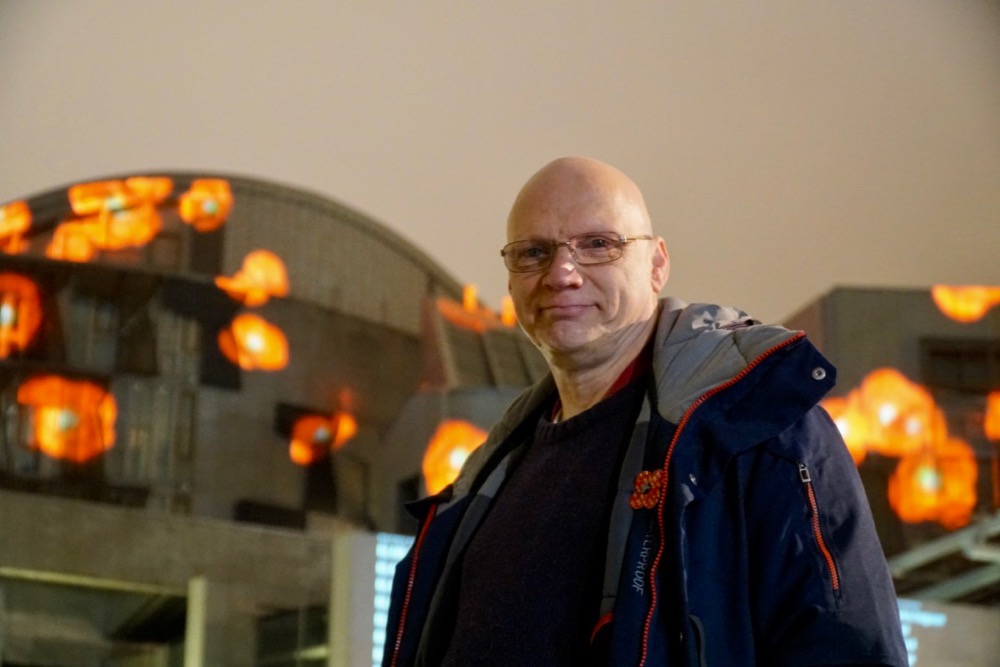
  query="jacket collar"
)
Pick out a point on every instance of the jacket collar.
point(697, 348)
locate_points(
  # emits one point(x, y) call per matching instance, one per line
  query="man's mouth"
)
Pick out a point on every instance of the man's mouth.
point(565, 309)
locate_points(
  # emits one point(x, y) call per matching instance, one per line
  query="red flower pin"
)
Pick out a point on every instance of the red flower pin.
point(648, 486)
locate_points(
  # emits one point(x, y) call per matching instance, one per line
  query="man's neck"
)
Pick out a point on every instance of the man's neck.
point(581, 386)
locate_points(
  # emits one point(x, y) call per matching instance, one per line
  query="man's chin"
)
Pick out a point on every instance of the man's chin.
point(565, 343)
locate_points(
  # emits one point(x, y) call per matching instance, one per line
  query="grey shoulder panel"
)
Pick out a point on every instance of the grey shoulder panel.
point(701, 346)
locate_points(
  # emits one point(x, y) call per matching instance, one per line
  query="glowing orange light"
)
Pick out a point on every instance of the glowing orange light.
point(123, 229)
point(991, 423)
point(852, 422)
point(447, 451)
point(149, 189)
point(902, 415)
point(119, 214)
point(936, 484)
point(20, 313)
point(88, 199)
point(965, 304)
point(311, 439)
point(113, 215)
point(478, 319)
point(72, 419)
point(470, 301)
point(508, 316)
point(346, 427)
point(108, 197)
point(313, 436)
point(253, 343)
point(71, 242)
point(936, 476)
point(207, 204)
point(15, 220)
point(78, 240)
point(262, 276)
point(913, 430)
point(887, 414)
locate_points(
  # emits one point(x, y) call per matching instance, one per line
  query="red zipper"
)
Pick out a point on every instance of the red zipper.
point(827, 556)
point(411, 577)
point(666, 481)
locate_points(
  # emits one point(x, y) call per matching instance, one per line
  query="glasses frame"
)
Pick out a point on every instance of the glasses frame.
point(570, 244)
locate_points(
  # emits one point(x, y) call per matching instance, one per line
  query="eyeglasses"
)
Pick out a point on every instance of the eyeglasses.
point(590, 248)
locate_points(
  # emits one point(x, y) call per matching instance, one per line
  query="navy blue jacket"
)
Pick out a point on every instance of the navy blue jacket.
point(739, 535)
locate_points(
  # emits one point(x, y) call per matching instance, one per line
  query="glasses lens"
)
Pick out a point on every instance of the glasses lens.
point(597, 248)
point(527, 255)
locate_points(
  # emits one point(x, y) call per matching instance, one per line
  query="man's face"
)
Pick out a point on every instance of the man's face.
point(567, 308)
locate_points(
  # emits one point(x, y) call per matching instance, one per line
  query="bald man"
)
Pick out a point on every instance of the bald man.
point(671, 494)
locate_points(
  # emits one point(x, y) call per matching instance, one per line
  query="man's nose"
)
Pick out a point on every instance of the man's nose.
point(563, 268)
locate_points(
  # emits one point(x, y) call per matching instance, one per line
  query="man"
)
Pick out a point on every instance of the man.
point(670, 495)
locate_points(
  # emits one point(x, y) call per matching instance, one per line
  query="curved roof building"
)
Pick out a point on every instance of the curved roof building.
point(209, 355)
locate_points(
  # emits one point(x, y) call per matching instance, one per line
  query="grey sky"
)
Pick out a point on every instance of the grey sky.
point(784, 147)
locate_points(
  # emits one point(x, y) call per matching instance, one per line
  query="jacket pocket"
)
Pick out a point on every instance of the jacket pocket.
point(817, 529)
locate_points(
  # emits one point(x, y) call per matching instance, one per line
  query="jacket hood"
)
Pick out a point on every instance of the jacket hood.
point(701, 346)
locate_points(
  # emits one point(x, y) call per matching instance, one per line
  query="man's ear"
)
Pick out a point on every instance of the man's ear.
point(661, 265)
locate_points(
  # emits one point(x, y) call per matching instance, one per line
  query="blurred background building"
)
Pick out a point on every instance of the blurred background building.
point(216, 393)
point(201, 379)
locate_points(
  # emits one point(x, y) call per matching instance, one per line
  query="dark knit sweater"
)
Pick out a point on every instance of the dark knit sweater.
point(531, 576)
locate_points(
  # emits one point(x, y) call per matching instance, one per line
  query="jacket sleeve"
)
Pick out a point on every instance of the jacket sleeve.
point(820, 590)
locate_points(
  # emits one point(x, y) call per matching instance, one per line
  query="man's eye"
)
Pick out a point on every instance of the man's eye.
point(596, 242)
point(534, 252)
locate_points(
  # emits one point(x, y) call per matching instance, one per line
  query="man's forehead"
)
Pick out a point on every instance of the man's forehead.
point(563, 224)
point(568, 218)
point(574, 195)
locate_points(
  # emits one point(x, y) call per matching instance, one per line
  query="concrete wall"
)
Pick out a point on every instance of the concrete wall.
point(861, 328)
point(234, 573)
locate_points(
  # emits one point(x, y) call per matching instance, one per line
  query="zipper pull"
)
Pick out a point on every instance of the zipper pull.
point(804, 474)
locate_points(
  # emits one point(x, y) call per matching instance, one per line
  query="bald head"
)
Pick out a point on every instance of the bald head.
point(585, 183)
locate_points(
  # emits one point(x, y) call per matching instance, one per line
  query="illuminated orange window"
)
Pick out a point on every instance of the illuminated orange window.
point(90, 199)
point(133, 227)
point(71, 419)
point(262, 276)
point(311, 439)
point(991, 423)
point(913, 430)
point(252, 343)
point(345, 427)
point(965, 304)
point(207, 204)
point(507, 314)
point(20, 313)
point(447, 451)
point(313, 436)
point(937, 484)
point(15, 220)
point(902, 415)
point(470, 299)
point(107, 197)
point(71, 242)
point(149, 189)
point(468, 314)
point(935, 479)
point(113, 215)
